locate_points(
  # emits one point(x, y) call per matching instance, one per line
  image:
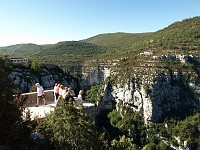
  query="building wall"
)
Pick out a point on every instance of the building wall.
point(19, 60)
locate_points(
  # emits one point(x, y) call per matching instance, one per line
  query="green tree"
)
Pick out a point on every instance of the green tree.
point(115, 118)
point(13, 133)
point(68, 128)
point(124, 143)
point(35, 65)
point(130, 123)
point(93, 95)
point(162, 146)
point(150, 146)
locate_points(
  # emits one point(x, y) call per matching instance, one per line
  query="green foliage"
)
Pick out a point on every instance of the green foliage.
point(13, 132)
point(162, 146)
point(93, 94)
point(130, 124)
point(127, 121)
point(21, 50)
point(35, 65)
point(68, 128)
point(113, 42)
point(115, 118)
point(188, 130)
point(150, 146)
point(124, 143)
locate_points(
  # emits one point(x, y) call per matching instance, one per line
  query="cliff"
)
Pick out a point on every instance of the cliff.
point(47, 75)
point(159, 84)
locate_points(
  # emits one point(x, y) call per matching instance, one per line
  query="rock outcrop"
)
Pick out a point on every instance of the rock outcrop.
point(153, 89)
point(48, 74)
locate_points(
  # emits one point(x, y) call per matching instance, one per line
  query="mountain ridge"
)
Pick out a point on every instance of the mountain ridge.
point(181, 36)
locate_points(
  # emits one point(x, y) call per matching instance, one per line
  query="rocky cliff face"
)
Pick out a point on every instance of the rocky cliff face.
point(154, 89)
point(155, 100)
point(96, 72)
point(47, 76)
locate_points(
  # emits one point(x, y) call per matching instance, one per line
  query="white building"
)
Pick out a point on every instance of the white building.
point(18, 60)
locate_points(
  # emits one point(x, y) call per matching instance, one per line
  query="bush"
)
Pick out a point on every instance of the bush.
point(68, 128)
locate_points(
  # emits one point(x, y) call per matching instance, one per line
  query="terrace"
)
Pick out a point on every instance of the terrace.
point(42, 110)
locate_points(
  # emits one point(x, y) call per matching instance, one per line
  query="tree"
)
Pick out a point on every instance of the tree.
point(13, 133)
point(68, 128)
point(115, 118)
point(93, 95)
point(124, 143)
point(150, 146)
point(162, 146)
point(130, 123)
point(35, 65)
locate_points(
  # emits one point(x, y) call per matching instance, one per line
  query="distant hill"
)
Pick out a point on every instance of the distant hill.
point(180, 38)
point(68, 54)
point(183, 35)
point(65, 54)
point(179, 34)
point(71, 48)
point(116, 39)
point(21, 49)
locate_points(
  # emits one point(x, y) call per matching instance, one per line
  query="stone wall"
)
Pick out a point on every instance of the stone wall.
point(32, 97)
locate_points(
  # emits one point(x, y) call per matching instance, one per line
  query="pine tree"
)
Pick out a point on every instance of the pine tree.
point(13, 134)
point(68, 128)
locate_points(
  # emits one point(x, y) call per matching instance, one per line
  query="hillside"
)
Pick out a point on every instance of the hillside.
point(103, 43)
point(183, 35)
point(68, 54)
point(20, 50)
point(114, 41)
point(180, 36)
point(177, 41)
point(71, 54)
point(71, 48)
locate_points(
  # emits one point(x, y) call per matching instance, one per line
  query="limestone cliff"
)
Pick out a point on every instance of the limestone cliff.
point(47, 76)
point(155, 87)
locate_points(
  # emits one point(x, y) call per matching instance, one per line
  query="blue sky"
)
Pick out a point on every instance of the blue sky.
point(51, 21)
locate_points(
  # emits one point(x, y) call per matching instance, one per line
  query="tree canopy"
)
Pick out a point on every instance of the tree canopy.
point(13, 132)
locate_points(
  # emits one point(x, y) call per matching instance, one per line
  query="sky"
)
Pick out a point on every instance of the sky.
point(51, 21)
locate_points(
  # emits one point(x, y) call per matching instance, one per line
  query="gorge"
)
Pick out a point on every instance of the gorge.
point(146, 86)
